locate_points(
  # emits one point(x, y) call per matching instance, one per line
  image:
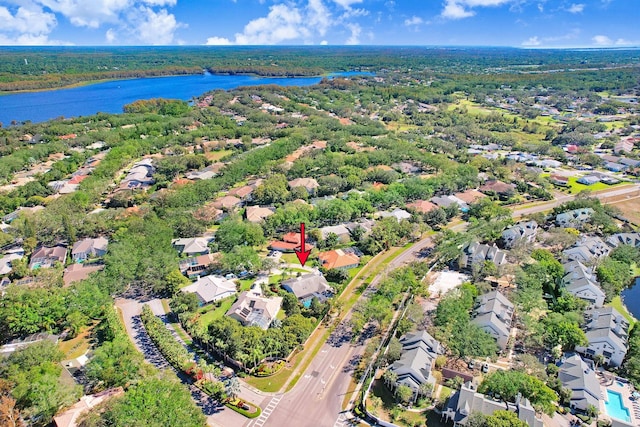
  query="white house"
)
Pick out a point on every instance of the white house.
point(211, 288)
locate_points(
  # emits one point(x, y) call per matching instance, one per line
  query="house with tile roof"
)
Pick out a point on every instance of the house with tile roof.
point(72, 416)
point(227, 203)
point(579, 376)
point(89, 248)
point(252, 309)
point(580, 281)
point(467, 401)
point(493, 313)
point(470, 196)
point(607, 332)
point(497, 187)
point(256, 214)
point(196, 266)
point(46, 257)
point(192, 246)
point(307, 286)
point(340, 258)
point(210, 289)
point(421, 206)
point(309, 184)
point(78, 272)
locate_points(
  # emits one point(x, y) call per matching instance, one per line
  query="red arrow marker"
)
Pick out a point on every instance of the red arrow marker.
point(301, 253)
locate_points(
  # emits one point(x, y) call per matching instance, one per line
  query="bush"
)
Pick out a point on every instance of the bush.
point(236, 404)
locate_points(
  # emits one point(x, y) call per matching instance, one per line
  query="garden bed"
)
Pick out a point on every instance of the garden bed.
point(239, 406)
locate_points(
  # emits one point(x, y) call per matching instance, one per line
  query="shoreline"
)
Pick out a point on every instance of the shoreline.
point(106, 80)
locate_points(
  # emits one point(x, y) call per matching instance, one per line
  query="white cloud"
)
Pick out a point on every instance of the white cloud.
point(283, 23)
point(110, 35)
point(218, 41)
point(414, 20)
point(459, 9)
point(355, 34)
point(347, 3)
point(153, 27)
point(601, 40)
point(532, 41)
point(306, 21)
point(82, 13)
point(319, 16)
point(623, 42)
point(27, 20)
point(324, 43)
point(576, 8)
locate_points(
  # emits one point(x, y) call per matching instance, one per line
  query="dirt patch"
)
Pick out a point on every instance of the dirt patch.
point(630, 209)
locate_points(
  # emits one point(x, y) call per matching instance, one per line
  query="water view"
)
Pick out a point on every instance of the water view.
point(111, 96)
point(631, 297)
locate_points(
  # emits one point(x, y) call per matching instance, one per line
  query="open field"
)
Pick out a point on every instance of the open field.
point(630, 209)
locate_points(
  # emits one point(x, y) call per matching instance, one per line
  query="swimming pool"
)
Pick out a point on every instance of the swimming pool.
point(614, 406)
point(306, 303)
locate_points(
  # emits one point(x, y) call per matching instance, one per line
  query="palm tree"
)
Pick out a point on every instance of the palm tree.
point(425, 389)
point(390, 377)
point(232, 387)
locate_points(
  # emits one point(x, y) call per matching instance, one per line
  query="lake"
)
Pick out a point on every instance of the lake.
point(111, 96)
point(631, 298)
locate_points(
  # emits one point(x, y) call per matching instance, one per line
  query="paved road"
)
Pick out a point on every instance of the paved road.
point(613, 192)
point(316, 400)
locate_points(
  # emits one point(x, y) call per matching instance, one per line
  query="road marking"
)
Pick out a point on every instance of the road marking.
point(266, 412)
point(340, 422)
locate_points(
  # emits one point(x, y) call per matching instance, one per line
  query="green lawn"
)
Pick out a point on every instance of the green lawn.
point(211, 313)
point(271, 384)
point(619, 305)
point(245, 284)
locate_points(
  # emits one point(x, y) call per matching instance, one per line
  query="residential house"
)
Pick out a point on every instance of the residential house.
point(46, 257)
point(398, 214)
point(421, 206)
point(523, 231)
point(20, 343)
point(547, 163)
point(196, 266)
point(587, 250)
point(560, 180)
point(470, 196)
point(580, 281)
point(615, 167)
point(206, 173)
point(257, 214)
point(309, 184)
point(575, 218)
point(243, 192)
point(307, 286)
point(499, 188)
point(71, 417)
point(227, 203)
point(579, 376)
point(624, 146)
point(477, 253)
point(77, 272)
point(493, 313)
point(446, 201)
point(607, 332)
point(252, 309)
point(192, 246)
point(9, 256)
point(632, 239)
point(139, 176)
point(289, 243)
point(413, 369)
point(632, 163)
point(589, 179)
point(89, 248)
point(341, 258)
point(341, 230)
point(467, 401)
point(211, 288)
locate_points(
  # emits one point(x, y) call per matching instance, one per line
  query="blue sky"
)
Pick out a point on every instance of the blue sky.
point(519, 23)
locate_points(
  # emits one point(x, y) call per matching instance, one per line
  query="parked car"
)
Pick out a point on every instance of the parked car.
point(471, 364)
point(485, 368)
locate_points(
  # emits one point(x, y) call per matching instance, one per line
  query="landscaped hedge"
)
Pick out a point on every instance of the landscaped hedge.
point(254, 414)
point(173, 351)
